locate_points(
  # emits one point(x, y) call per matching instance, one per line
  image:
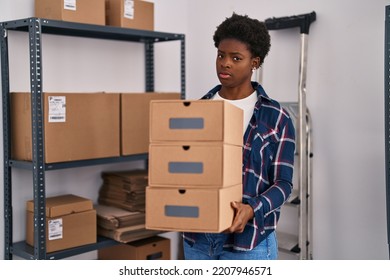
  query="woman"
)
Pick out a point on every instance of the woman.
point(268, 148)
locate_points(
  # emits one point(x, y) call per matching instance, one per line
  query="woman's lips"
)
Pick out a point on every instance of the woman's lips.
point(224, 75)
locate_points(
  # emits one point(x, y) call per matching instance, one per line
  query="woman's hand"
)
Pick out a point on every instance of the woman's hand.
point(243, 213)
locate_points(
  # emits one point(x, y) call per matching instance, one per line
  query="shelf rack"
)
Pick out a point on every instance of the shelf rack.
point(36, 27)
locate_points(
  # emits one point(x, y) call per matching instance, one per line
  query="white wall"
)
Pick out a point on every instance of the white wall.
point(345, 95)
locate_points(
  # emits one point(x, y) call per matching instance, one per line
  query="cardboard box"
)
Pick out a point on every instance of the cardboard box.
point(77, 126)
point(70, 222)
point(197, 120)
point(135, 120)
point(189, 209)
point(205, 164)
point(82, 11)
point(153, 248)
point(134, 14)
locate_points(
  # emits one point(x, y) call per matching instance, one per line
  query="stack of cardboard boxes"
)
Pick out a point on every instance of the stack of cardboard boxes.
point(195, 165)
point(83, 126)
point(70, 222)
point(135, 14)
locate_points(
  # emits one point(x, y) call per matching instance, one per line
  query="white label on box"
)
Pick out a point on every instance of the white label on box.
point(70, 5)
point(57, 108)
point(55, 229)
point(129, 9)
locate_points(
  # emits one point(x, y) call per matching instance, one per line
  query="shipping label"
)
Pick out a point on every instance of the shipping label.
point(129, 9)
point(70, 5)
point(55, 229)
point(57, 109)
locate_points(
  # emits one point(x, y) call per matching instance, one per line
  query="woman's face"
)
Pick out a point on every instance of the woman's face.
point(234, 63)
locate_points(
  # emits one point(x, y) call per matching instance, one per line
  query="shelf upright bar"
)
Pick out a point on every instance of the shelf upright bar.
point(183, 67)
point(387, 118)
point(35, 39)
point(6, 143)
point(149, 66)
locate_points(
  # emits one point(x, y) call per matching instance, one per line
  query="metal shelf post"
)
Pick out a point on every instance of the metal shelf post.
point(6, 143)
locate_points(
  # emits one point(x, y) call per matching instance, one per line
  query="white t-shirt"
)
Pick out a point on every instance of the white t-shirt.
point(247, 104)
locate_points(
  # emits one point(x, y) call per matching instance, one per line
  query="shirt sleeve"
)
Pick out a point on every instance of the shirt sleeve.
point(280, 174)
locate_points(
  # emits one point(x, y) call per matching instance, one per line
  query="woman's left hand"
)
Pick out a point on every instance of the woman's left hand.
point(243, 213)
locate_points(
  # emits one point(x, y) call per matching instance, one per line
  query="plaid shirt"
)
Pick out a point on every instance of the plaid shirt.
point(268, 162)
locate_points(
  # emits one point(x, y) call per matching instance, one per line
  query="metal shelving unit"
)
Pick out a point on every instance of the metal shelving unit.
point(36, 27)
point(300, 244)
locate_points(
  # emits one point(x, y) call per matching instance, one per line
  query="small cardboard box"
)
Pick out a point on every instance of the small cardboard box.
point(134, 14)
point(152, 248)
point(189, 209)
point(135, 120)
point(77, 126)
point(208, 164)
point(82, 11)
point(197, 120)
point(70, 222)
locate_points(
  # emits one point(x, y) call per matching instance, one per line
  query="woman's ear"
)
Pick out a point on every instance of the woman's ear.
point(256, 62)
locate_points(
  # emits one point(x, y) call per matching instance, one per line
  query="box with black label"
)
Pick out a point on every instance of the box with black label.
point(208, 164)
point(196, 120)
point(191, 209)
point(70, 222)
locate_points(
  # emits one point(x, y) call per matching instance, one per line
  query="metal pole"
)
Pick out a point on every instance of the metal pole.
point(6, 144)
point(38, 154)
point(302, 148)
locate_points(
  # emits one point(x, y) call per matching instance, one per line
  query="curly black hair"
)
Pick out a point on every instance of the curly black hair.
point(250, 31)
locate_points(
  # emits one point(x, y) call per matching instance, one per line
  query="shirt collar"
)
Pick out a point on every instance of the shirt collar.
point(259, 89)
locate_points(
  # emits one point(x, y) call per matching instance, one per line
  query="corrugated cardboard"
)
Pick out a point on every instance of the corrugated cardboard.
point(88, 127)
point(135, 120)
point(111, 217)
point(207, 164)
point(197, 120)
point(82, 11)
point(76, 222)
point(153, 248)
point(134, 14)
point(127, 234)
point(189, 209)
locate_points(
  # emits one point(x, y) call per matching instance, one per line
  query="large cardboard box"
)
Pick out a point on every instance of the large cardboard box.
point(190, 209)
point(77, 126)
point(152, 248)
point(197, 120)
point(208, 164)
point(135, 113)
point(82, 11)
point(134, 14)
point(70, 222)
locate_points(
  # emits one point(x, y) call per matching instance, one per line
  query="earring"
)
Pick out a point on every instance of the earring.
point(253, 69)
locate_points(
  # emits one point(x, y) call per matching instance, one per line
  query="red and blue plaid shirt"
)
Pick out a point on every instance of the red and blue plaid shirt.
point(268, 163)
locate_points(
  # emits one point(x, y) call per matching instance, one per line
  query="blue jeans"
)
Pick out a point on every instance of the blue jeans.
point(209, 246)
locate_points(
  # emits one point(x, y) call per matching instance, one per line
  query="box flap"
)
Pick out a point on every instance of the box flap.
point(63, 205)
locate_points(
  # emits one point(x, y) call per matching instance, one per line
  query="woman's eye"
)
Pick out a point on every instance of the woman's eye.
point(236, 58)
